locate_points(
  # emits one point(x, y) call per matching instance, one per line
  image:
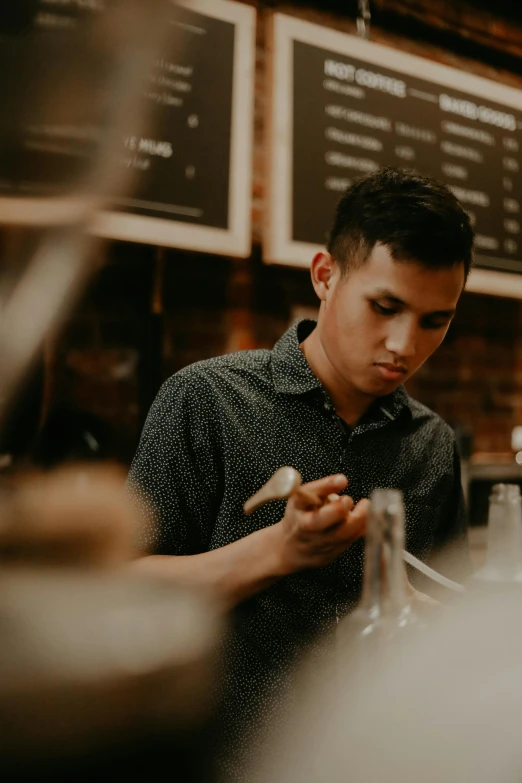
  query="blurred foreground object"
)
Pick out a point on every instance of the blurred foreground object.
point(103, 674)
point(504, 543)
point(446, 708)
point(385, 612)
point(73, 79)
point(74, 516)
point(100, 670)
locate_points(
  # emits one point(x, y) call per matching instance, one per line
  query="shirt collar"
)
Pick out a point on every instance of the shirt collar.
point(396, 404)
point(290, 371)
point(292, 374)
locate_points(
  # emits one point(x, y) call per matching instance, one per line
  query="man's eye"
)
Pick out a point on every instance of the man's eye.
point(435, 324)
point(382, 310)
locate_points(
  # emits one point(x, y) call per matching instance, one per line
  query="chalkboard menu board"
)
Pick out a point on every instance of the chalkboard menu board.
point(193, 172)
point(343, 107)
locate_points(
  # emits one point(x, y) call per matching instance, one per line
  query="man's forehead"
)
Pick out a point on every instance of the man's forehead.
point(414, 284)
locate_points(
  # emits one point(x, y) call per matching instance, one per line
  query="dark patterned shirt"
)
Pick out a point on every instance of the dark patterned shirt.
point(215, 434)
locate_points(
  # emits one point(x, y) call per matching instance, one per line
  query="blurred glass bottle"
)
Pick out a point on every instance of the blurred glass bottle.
point(504, 542)
point(385, 612)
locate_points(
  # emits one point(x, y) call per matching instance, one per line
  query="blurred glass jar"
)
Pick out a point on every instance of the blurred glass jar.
point(385, 614)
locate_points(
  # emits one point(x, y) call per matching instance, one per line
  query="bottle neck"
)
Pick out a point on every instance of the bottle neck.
point(384, 586)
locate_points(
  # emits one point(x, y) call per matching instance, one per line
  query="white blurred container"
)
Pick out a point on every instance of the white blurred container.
point(504, 541)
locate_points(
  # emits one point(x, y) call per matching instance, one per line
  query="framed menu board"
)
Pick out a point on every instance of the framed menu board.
point(192, 175)
point(342, 107)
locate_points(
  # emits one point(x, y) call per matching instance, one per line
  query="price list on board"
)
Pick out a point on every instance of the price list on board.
point(351, 117)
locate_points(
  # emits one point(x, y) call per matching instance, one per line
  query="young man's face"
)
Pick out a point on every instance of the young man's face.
point(384, 319)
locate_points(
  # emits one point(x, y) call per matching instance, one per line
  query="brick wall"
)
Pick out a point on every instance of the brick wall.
point(113, 353)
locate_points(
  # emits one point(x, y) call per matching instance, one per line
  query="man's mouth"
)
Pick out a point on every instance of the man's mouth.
point(391, 372)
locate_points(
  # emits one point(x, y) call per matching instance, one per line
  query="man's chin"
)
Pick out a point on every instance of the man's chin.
point(379, 387)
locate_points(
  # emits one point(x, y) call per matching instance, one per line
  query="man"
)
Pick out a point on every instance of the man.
point(328, 400)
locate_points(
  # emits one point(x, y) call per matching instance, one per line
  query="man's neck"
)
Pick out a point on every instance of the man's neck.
point(349, 403)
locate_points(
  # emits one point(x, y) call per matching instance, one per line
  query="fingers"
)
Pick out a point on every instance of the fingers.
point(333, 513)
point(331, 498)
point(353, 524)
point(316, 492)
point(340, 512)
point(359, 515)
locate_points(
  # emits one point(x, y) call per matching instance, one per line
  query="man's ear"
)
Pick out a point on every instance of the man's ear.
point(324, 272)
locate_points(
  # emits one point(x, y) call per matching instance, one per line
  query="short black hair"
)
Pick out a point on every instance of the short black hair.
point(417, 218)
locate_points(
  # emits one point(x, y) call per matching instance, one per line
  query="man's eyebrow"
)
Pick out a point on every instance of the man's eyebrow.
point(384, 293)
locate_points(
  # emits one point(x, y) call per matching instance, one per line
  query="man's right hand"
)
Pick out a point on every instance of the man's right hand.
point(312, 535)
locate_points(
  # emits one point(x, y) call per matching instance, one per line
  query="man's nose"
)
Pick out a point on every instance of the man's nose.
point(402, 338)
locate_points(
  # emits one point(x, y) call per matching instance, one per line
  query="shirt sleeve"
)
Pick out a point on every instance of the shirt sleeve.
point(174, 480)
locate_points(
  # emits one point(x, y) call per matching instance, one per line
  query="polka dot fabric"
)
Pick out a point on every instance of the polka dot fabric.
point(217, 431)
